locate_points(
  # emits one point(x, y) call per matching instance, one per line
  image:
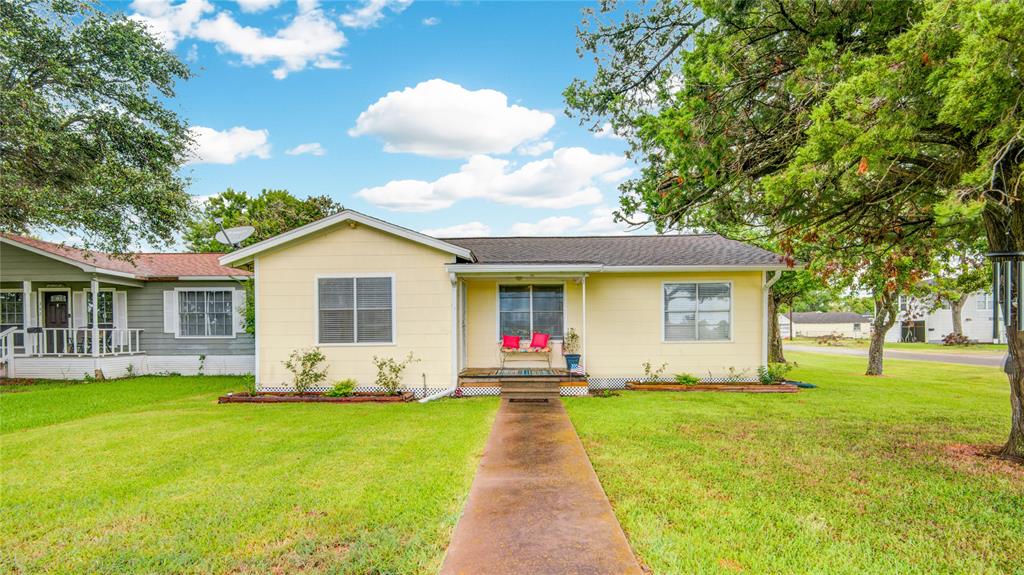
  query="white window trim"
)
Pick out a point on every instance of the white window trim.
point(355, 311)
point(177, 312)
point(113, 302)
point(24, 304)
point(732, 300)
point(497, 306)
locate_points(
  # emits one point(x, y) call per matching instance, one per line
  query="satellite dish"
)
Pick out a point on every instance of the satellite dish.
point(234, 236)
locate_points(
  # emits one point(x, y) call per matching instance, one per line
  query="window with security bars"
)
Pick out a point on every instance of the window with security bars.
point(698, 312)
point(204, 313)
point(355, 310)
point(524, 310)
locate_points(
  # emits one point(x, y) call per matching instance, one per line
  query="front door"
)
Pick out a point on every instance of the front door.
point(55, 319)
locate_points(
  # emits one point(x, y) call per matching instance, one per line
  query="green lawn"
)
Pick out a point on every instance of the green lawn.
point(986, 348)
point(857, 476)
point(150, 475)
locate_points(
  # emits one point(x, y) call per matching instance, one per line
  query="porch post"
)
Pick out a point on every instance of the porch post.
point(27, 313)
point(583, 346)
point(455, 330)
point(95, 338)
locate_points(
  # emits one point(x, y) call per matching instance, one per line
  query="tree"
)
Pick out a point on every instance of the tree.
point(272, 212)
point(961, 271)
point(716, 98)
point(87, 143)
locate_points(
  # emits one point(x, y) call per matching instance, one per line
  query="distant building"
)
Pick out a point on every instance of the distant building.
point(816, 323)
point(919, 322)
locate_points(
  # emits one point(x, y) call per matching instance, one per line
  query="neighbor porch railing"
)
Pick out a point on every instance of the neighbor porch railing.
point(80, 341)
point(7, 348)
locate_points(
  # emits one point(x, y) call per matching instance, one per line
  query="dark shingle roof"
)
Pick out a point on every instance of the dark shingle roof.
point(666, 250)
point(827, 317)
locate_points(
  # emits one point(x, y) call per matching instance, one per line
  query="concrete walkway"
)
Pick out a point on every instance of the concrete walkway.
point(536, 506)
point(983, 359)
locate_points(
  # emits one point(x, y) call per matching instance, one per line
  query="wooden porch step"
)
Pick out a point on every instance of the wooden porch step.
point(529, 389)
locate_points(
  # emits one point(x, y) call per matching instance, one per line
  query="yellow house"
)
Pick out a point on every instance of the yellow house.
point(358, 287)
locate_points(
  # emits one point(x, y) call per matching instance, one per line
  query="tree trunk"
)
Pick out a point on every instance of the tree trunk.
point(775, 354)
point(1004, 228)
point(885, 316)
point(956, 307)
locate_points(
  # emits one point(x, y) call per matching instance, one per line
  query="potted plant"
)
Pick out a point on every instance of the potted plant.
point(571, 349)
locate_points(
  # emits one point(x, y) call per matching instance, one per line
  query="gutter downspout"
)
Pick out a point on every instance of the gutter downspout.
point(768, 283)
point(453, 278)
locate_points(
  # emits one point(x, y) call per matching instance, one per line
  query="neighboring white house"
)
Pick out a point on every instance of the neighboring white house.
point(917, 322)
point(815, 324)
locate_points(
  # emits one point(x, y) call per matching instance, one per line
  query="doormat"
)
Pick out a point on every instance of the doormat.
point(505, 372)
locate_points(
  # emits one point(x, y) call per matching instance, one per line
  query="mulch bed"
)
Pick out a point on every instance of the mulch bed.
point(283, 397)
point(734, 387)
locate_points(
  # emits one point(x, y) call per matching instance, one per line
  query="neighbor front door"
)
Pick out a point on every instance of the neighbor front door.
point(55, 319)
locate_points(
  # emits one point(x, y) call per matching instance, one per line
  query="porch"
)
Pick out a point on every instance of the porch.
point(524, 383)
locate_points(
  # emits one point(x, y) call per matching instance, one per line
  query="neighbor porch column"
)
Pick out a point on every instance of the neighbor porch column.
point(95, 339)
point(27, 313)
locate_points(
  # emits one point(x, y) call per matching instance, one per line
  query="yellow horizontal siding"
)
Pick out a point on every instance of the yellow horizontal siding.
point(286, 285)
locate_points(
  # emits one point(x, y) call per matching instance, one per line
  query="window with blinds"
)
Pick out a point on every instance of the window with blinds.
point(524, 310)
point(698, 312)
point(355, 310)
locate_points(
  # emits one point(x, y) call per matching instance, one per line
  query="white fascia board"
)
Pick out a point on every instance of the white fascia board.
point(755, 268)
point(246, 254)
point(512, 268)
point(213, 278)
point(80, 265)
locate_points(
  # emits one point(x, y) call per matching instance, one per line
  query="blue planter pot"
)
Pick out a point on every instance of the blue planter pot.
point(572, 361)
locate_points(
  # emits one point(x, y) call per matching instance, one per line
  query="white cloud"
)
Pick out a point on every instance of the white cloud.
point(169, 23)
point(600, 223)
point(228, 146)
point(536, 148)
point(431, 21)
point(371, 12)
point(562, 181)
point(312, 148)
point(607, 132)
point(466, 230)
point(553, 226)
point(193, 54)
point(617, 175)
point(310, 38)
point(256, 5)
point(444, 120)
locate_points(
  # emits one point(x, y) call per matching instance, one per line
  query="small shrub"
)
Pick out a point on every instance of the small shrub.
point(305, 368)
point(249, 383)
point(687, 379)
point(956, 339)
point(606, 393)
point(651, 374)
point(735, 375)
point(129, 371)
point(343, 388)
point(390, 370)
point(202, 363)
point(773, 373)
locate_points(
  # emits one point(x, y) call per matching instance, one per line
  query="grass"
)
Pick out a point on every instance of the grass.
point(150, 475)
point(862, 475)
point(986, 348)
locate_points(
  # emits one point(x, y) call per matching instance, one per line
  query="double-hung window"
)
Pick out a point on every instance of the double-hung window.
point(202, 313)
point(355, 310)
point(527, 309)
point(697, 311)
point(106, 311)
point(12, 314)
point(984, 301)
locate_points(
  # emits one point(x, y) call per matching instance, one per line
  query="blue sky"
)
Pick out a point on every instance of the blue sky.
point(444, 117)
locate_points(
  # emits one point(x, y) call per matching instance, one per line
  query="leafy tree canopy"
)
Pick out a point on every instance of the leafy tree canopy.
point(87, 143)
point(272, 212)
